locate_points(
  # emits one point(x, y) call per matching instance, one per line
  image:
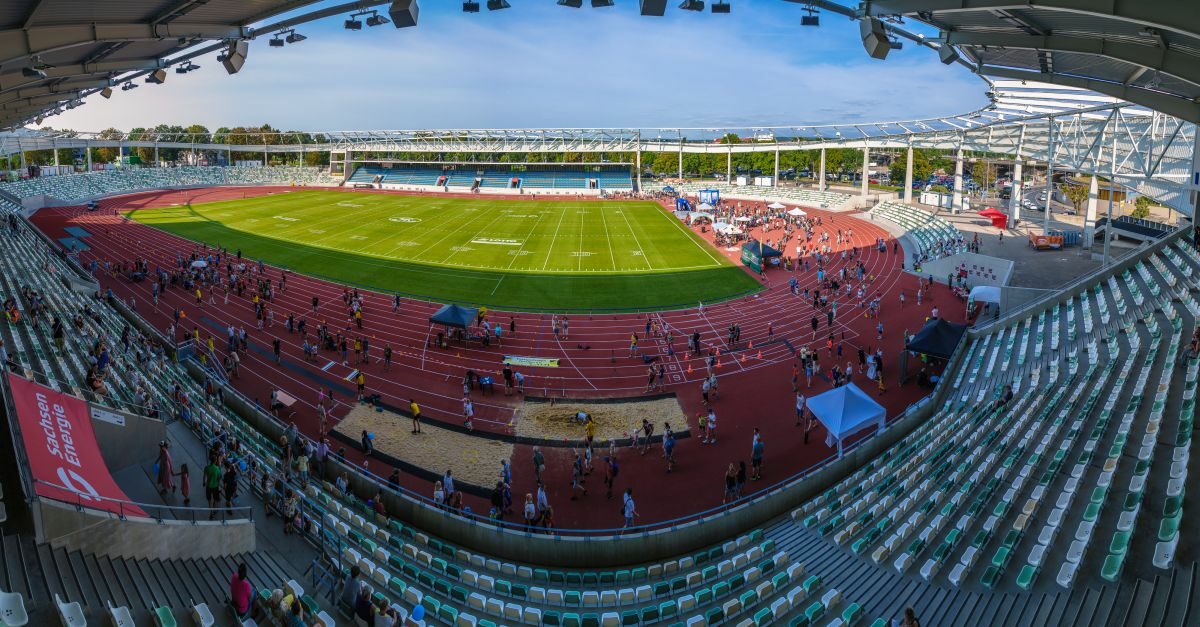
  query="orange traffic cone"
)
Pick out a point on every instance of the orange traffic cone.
point(751, 345)
point(689, 368)
point(718, 363)
point(743, 358)
point(760, 354)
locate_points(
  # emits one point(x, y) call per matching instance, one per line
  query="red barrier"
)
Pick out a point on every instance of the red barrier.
point(62, 449)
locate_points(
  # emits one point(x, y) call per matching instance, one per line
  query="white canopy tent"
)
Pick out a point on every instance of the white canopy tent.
point(705, 207)
point(776, 205)
point(696, 216)
point(743, 218)
point(844, 411)
point(796, 212)
point(986, 293)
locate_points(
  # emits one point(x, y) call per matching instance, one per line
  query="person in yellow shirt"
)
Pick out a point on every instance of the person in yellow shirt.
point(361, 380)
point(589, 428)
point(415, 410)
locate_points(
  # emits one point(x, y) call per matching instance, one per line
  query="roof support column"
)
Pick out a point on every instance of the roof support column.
point(908, 176)
point(1018, 186)
point(681, 157)
point(775, 179)
point(88, 151)
point(56, 153)
point(821, 173)
point(1018, 190)
point(1089, 216)
point(1193, 182)
point(729, 165)
point(639, 166)
point(1050, 176)
point(1112, 177)
point(866, 173)
point(956, 199)
point(156, 161)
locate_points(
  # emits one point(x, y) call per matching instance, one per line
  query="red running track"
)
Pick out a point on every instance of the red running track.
point(756, 389)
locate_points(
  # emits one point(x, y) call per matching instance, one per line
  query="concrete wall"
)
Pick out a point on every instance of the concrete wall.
point(134, 443)
point(99, 533)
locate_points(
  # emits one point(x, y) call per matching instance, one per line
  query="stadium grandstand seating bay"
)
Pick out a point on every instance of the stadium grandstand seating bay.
point(1063, 504)
point(493, 177)
point(796, 195)
point(74, 188)
point(932, 236)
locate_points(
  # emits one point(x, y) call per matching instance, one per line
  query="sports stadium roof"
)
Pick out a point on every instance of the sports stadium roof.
point(54, 52)
point(1142, 51)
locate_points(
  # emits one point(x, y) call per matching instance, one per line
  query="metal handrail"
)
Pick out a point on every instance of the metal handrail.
point(226, 515)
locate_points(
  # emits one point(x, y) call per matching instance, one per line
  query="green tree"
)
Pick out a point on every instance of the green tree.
point(1141, 207)
point(1077, 194)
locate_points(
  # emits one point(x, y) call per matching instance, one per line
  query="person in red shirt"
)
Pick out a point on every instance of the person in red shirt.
point(241, 592)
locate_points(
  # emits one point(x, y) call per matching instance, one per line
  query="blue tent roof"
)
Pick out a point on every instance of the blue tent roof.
point(454, 316)
point(846, 410)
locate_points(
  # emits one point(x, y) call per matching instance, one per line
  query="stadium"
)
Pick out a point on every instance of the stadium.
point(474, 376)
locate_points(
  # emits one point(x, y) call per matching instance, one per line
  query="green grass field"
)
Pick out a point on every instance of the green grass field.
point(515, 254)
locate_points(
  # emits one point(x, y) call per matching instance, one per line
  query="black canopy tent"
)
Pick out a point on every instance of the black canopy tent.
point(937, 339)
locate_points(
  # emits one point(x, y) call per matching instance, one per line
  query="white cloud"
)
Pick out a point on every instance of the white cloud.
point(596, 69)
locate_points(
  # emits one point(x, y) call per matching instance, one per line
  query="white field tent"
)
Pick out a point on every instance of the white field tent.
point(776, 205)
point(796, 212)
point(698, 216)
point(986, 293)
point(743, 218)
point(705, 207)
point(199, 263)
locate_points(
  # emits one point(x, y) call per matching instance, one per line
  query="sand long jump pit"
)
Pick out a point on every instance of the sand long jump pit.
point(475, 458)
point(616, 419)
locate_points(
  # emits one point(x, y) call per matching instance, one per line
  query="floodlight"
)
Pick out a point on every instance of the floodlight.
point(353, 24)
point(31, 72)
point(692, 5)
point(404, 13)
point(106, 92)
point(39, 120)
point(275, 42)
point(574, 4)
point(813, 17)
point(895, 44)
point(157, 77)
point(596, 4)
point(470, 7)
point(295, 38)
point(657, 8)
point(720, 7)
point(377, 20)
point(496, 5)
point(948, 54)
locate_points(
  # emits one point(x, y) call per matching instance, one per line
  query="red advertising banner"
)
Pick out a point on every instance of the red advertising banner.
point(64, 459)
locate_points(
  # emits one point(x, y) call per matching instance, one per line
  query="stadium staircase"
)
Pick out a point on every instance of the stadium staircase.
point(151, 590)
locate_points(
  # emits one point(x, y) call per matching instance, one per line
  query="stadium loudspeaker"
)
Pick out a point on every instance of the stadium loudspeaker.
point(235, 56)
point(106, 92)
point(404, 13)
point(948, 54)
point(874, 38)
point(654, 7)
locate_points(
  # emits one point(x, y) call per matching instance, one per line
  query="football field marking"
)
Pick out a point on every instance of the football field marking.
point(637, 242)
point(550, 249)
point(608, 240)
point(690, 236)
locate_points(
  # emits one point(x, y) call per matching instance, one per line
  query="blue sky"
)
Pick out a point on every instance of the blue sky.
point(542, 65)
